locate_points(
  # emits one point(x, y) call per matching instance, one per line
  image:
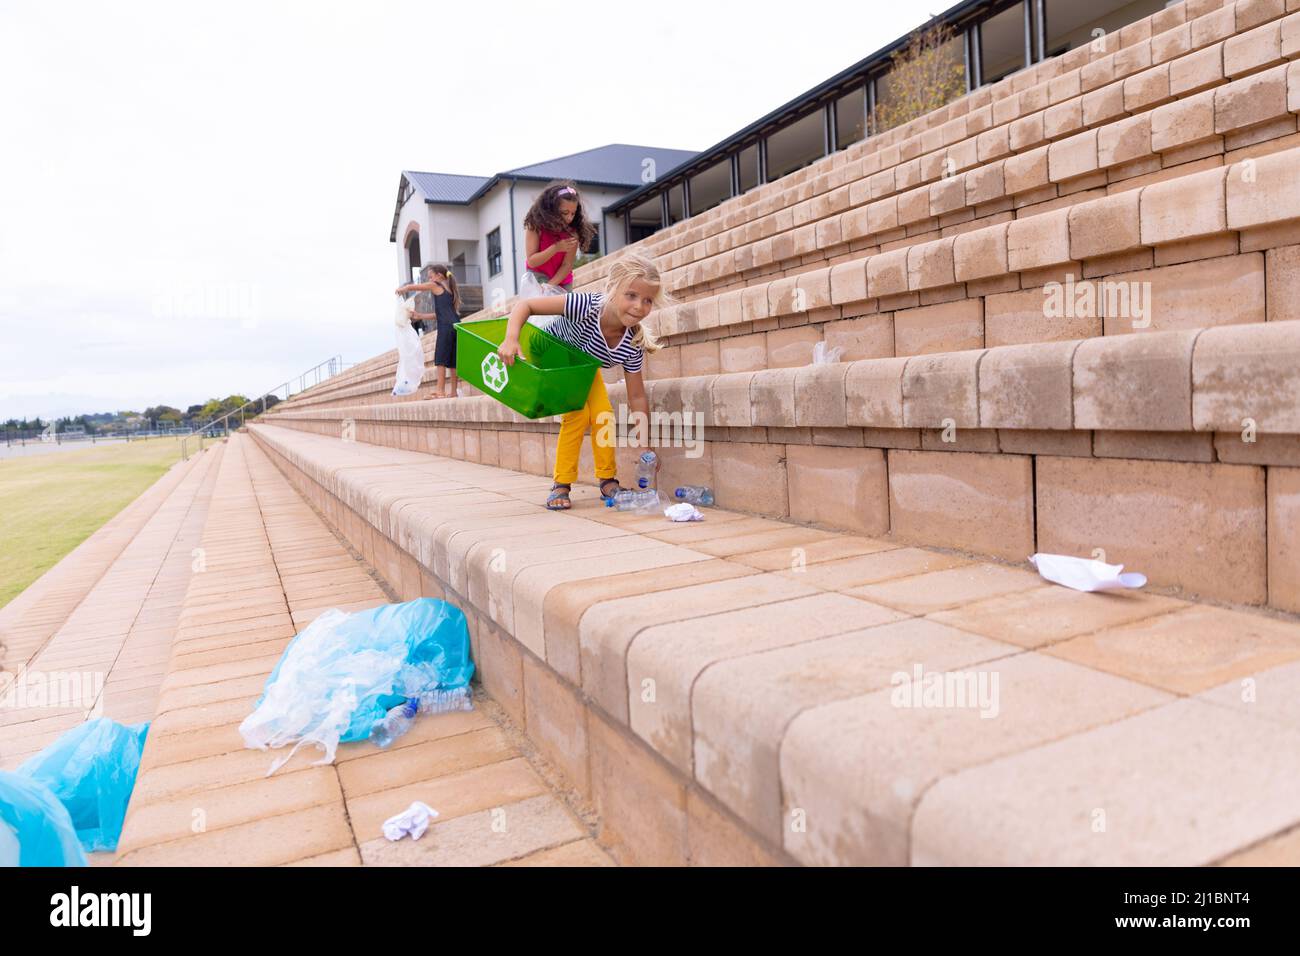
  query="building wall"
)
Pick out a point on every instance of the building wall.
point(450, 222)
point(494, 212)
point(440, 224)
point(414, 210)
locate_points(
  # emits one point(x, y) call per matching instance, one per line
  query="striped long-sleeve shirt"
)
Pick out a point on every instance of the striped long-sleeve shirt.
point(580, 327)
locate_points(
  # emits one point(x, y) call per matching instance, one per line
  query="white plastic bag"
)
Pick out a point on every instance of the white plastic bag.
point(1085, 574)
point(318, 688)
point(530, 287)
point(825, 356)
point(410, 356)
point(685, 511)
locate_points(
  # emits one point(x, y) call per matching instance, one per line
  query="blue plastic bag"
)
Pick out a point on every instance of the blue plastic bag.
point(35, 828)
point(91, 770)
point(343, 672)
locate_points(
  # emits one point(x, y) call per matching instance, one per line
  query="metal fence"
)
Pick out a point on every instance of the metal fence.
point(467, 274)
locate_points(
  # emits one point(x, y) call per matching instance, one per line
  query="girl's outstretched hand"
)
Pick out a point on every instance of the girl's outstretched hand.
point(508, 351)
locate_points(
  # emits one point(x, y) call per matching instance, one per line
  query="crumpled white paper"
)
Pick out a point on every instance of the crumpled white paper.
point(683, 512)
point(413, 820)
point(1085, 574)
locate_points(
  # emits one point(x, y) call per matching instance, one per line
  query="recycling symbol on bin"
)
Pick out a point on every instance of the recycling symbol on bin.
point(495, 375)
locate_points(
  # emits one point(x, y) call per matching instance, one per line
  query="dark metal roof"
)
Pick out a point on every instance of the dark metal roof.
point(875, 62)
point(618, 165)
point(445, 187)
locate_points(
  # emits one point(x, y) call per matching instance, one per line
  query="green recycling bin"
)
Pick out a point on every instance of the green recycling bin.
point(549, 377)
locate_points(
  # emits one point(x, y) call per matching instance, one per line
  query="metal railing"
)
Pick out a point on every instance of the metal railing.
point(315, 375)
point(467, 274)
point(23, 437)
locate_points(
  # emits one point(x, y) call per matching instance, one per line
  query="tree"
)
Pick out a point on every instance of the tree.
point(926, 74)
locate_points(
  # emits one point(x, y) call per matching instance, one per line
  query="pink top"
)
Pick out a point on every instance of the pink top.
point(552, 265)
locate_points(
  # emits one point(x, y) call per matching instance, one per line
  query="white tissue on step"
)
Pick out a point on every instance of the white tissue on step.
point(1085, 574)
point(683, 512)
point(413, 820)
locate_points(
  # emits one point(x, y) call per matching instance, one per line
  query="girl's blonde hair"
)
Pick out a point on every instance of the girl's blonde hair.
point(626, 270)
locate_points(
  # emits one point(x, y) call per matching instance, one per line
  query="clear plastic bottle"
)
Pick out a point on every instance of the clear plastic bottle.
point(695, 494)
point(396, 722)
point(645, 470)
point(435, 701)
point(642, 502)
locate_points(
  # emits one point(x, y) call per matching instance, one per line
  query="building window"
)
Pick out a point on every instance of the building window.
point(413, 259)
point(646, 218)
point(748, 162)
point(1002, 44)
point(676, 204)
point(800, 143)
point(1068, 24)
point(710, 187)
point(494, 252)
point(851, 117)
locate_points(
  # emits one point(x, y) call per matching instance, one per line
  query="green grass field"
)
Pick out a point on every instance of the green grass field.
point(50, 503)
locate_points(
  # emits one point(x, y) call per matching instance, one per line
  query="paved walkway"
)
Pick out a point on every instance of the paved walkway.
point(203, 798)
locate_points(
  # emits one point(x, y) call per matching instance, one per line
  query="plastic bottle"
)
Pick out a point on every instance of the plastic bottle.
point(695, 494)
point(645, 470)
point(642, 502)
point(435, 701)
point(396, 722)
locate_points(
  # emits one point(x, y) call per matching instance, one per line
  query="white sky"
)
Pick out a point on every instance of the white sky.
point(169, 169)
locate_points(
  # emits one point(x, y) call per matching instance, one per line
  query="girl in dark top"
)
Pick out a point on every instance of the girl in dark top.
point(446, 313)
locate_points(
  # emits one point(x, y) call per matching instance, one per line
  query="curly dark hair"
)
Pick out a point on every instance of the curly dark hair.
point(545, 213)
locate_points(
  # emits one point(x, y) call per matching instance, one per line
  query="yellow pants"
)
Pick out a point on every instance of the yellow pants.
point(573, 427)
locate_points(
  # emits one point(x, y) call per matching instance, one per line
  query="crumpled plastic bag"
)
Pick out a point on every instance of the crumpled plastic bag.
point(35, 828)
point(410, 356)
point(91, 770)
point(343, 673)
point(685, 511)
point(1085, 574)
point(530, 287)
point(824, 355)
point(414, 820)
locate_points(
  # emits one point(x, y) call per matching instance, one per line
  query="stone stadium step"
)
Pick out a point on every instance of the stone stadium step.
point(1003, 451)
point(730, 691)
point(203, 799)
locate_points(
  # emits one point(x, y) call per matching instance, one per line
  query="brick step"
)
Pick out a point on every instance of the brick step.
point(1198, 422)
point(725, 691)
point(1049, 277)
point(106, 656)
point(203, 799)
point(1127, 74)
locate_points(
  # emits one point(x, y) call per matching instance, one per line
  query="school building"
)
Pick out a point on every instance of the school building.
point(475, 223)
